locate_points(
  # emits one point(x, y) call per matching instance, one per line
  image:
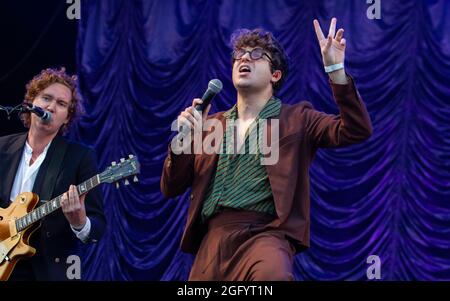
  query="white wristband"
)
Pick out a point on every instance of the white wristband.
point(329, 69)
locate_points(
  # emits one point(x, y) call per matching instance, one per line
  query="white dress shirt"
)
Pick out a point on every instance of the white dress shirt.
point(26, 176)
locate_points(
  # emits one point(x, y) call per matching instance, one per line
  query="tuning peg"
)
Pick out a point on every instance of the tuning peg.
point(117, 185)
point(113, 163)
point(122, 160)
point(135, 179)
point(126, 182)
point(130, 156)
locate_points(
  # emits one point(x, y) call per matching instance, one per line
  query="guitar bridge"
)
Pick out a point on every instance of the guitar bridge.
point(3, 252)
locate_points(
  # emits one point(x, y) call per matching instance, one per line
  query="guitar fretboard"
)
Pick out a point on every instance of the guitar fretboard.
point(52, 205)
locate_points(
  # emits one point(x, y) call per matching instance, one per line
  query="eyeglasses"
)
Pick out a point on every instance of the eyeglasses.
point(255, 54)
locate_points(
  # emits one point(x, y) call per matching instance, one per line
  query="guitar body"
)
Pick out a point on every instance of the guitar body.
point(15, 239)
point(13, 244)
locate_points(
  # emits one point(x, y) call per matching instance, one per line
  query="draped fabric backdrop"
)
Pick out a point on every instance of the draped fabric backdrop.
point(140, 63)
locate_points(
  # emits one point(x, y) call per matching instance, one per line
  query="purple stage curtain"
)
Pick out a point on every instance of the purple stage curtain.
point(140, 63)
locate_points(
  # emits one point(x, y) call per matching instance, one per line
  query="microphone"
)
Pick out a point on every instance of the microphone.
point(45, 116)
point(214, 87)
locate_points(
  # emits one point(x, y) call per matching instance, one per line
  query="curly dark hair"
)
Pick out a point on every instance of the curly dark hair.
point(260, 38)
point(43, 80)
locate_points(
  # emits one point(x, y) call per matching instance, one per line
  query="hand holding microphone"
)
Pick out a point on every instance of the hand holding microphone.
point(191, 118)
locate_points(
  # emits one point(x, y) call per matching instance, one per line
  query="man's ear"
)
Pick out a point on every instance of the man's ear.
point(276, 75)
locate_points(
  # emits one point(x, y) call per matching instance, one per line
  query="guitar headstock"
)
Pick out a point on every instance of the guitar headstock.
point(121, 170)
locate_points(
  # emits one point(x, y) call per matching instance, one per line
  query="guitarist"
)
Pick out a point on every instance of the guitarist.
point(44, 162)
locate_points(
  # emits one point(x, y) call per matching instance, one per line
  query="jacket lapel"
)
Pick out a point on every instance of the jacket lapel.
point(8, 166)
point(46, 177)
point(205, 170)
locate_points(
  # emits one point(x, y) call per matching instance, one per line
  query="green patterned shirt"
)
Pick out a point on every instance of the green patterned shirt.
point(241, 181)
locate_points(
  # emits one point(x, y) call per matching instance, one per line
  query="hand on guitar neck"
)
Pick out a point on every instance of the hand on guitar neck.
point(19, 220)
point(72, 205)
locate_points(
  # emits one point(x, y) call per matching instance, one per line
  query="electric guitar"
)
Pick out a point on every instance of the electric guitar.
point(19, 220)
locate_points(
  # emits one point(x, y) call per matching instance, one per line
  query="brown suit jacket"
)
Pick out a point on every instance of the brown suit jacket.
point(302, 130)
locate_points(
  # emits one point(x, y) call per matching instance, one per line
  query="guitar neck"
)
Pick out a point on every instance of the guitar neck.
point(42, 211)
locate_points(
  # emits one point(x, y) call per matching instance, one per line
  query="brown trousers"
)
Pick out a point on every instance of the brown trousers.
point(237, 247)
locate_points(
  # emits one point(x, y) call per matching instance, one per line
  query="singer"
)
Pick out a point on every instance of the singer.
point(246, 220)
point(42, 161)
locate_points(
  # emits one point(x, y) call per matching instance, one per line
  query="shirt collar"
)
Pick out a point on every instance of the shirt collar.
point(272, 108)
point(29, 150)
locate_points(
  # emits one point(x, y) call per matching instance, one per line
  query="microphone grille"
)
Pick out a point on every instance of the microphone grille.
point(215, 85)
point(47, 116)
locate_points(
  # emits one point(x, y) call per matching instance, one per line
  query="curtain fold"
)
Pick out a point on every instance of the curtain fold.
point(140, 63)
